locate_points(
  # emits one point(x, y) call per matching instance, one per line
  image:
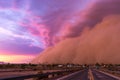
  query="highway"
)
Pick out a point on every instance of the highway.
point(101, 76)
point(84, 75)
point(80, 75)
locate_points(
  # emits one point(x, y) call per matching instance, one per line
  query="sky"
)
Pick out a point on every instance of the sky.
point(28, 27)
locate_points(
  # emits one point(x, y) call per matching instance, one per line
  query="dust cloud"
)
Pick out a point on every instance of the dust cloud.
point(99, 44)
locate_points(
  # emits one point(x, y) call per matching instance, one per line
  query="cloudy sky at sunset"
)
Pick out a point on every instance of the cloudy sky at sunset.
point(27, 27)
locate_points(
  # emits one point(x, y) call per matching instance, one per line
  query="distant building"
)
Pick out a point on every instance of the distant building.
point(60, 65)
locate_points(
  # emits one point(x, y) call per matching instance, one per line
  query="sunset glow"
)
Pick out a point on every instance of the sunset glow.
point(16, 58)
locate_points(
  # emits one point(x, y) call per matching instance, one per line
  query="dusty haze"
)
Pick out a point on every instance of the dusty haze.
point(100, 44)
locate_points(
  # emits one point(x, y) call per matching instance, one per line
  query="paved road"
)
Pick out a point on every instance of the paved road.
point(80, 75)
point(101, 76)
point(83, 75)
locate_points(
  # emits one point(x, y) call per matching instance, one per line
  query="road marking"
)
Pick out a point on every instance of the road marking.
point(90, 75)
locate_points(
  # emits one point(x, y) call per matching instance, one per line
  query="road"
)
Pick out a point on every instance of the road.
point(86, 74)
point(101, 76)
point(80, 75)
point(83, 75)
